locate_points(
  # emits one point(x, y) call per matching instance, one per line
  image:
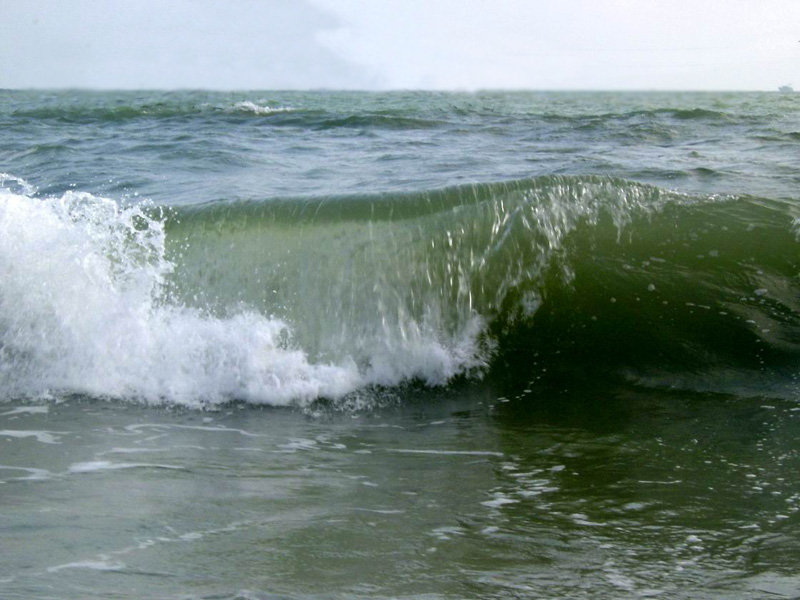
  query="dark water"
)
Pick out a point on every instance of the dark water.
point(528, 345)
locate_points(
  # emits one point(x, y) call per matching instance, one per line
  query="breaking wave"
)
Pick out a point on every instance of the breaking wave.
point(288, 300)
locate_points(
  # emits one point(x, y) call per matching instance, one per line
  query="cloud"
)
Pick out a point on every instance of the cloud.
point(388, 44)
point(253, 44)
point(570, 44)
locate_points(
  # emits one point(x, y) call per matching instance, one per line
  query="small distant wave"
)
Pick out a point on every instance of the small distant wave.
point(103, 112)
point(696, 113)
point(639, 116)
point(378, 121)
point(706, 172)
point(252, 107)
point(286, 116)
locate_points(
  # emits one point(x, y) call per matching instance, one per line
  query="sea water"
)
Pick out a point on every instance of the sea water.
point(400, 345)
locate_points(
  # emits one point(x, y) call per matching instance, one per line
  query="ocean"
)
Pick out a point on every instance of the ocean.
point(309, 345)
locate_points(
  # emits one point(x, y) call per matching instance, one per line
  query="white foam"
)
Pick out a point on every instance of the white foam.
point(117, 450)
point(295, 444)
point(105, 465)
point(499, 501)
point(160, 426)
point(44, 437)
point(446, 452)
point(26, 410)
point(35, 474)
point(258, 109)
point(84, 308)
point(16, 184)
point(426, 358)
point(94, 565)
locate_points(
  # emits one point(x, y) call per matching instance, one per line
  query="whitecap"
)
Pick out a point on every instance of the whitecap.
point(258, 109)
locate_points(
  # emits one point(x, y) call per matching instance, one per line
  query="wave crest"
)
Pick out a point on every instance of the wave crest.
point(286, 301)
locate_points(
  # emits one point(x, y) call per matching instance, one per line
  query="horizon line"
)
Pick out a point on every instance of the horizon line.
point(382, 90)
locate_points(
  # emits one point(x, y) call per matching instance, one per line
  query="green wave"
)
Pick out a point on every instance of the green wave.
point(568, 274)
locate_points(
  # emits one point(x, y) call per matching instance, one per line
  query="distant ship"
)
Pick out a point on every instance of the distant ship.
point(785, 89)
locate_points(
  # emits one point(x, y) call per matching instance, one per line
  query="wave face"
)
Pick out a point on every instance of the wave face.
point(287, 301)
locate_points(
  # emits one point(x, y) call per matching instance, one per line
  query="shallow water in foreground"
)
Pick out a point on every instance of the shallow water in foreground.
point(622, 493)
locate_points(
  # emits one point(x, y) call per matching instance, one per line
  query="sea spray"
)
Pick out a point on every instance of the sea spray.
point(82, 310)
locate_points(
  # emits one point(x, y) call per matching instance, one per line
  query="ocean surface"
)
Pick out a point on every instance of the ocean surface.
point(329, 345)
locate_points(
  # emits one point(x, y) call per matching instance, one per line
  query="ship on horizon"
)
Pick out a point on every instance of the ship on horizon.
point(786, 89)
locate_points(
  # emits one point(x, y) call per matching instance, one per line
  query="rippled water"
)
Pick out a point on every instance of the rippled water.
point(442, 495)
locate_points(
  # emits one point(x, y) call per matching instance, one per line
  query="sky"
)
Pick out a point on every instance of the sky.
point(394, 44)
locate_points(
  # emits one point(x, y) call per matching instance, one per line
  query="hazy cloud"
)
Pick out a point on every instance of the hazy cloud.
point(257, 44)
point(375, 44)
point(572, 44)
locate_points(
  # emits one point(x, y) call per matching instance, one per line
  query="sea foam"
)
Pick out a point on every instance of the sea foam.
point(84, 309)
point(259, 109)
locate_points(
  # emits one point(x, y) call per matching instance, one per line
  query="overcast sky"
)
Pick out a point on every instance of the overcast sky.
point(408, 44)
